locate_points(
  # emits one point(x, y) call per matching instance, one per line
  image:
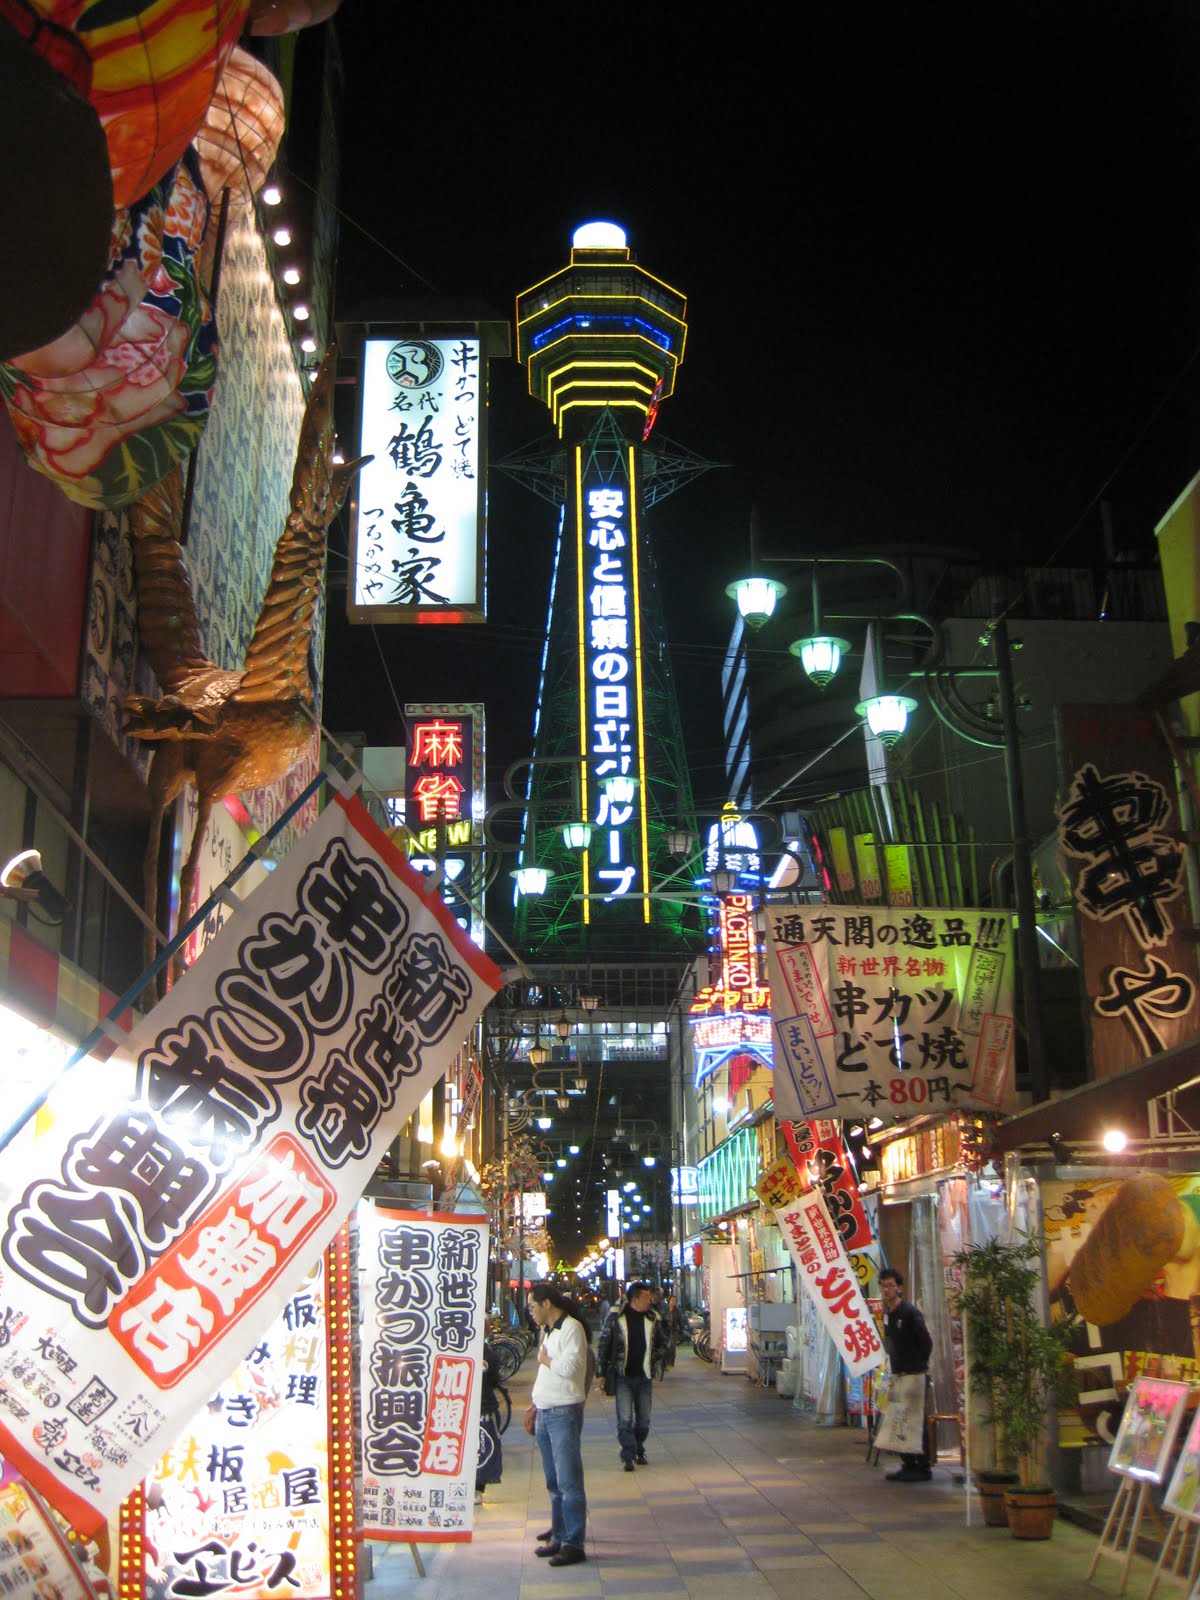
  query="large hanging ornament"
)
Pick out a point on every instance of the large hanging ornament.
point(107, 409)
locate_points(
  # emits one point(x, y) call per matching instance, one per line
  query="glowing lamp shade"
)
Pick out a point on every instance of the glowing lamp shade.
point(272, 195)
point(577, 835)
point(620, 789)
point(561, 1162)
point(531, 881)
point(680, 842)
point(887, 716)
point(537, 1055)
point(544, 1123)
point(589, 1002)
point(756, 599)
point(1115, 1139)
point(820, 656)
point(547, 1177)
point(282, 237)
point(598, 236)
point(723, 881)
point(649, 1160)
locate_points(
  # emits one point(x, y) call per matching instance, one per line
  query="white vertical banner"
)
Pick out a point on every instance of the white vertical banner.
point(829, 1280)
point(173, 1197)
point(423, 1280)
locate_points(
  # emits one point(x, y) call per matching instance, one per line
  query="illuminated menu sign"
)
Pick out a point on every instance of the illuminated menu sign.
point(610, 685)
point(443, 790)
point(417, 535)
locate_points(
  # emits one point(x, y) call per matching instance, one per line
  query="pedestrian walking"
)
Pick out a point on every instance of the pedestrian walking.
point(559, 1391)
point(908, 1343)
point(631, 1342)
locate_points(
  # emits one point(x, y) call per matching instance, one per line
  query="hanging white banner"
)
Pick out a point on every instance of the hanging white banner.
point(829, 1280)
point(422, 1358)
point(173, 1197)
point(890, 1013)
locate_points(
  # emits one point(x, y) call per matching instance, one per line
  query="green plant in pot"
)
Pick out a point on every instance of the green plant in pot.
point(1017, 1365)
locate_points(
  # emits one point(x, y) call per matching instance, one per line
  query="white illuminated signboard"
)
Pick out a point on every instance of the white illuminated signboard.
point(610, 685)
point(417, 538)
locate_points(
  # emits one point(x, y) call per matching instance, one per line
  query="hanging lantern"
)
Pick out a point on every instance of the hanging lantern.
point(887, 716)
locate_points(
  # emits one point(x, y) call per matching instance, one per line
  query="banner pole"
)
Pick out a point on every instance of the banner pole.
point(107, 1026)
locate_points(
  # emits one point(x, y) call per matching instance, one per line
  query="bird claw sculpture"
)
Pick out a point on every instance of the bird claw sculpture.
point(227, 732)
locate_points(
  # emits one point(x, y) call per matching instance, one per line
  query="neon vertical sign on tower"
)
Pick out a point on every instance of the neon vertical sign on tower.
point(612, 737)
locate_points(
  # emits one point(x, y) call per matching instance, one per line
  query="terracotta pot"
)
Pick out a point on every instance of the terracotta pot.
point(1031, 1516)
point(991, 1499)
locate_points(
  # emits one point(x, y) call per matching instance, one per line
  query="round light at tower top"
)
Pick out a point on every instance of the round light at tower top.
point(601, 332)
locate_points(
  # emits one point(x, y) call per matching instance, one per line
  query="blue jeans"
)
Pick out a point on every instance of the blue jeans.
point(559, 1430)
point(633, 1414)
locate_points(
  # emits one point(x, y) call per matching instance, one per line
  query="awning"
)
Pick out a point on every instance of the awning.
point(1082, 1114)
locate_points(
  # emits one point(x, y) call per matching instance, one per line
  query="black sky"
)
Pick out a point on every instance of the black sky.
point(942, 265)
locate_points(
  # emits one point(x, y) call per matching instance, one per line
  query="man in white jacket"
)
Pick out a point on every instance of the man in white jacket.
point(558, 1394)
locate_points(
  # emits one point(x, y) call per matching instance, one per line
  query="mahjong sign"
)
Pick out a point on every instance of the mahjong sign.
point(890, 1012)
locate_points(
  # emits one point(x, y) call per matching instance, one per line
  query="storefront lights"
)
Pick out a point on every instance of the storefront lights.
point(820, 656)
point(300, 311)
point(887, 716)
point(272, 195)
point(756, 599)
point(282, 237)
point(291, 275)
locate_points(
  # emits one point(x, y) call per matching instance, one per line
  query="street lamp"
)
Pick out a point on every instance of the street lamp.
point(620, 789)
point(562, 1026)
point(577, 836)
point(887, 716)
point(531, 881)
point(756, 599)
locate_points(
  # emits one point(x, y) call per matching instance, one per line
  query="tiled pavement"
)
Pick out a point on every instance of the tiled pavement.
point(743, 1500)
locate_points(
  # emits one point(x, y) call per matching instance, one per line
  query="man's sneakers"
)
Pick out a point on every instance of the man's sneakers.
point(550, 1548)
point(642, 1459)
point(545, 1538)
point(910, 1475)
point(627, 1465)
point(567, 1556)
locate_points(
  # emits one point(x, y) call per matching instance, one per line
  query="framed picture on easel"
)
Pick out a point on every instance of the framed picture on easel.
point(1183, 1492)
point(1149, 1426)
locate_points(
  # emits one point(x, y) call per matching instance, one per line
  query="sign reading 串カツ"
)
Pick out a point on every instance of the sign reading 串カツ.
point(417, 537)
point(171, 1198)
point(422, 1344)
point(889, 1013)
point(610, 685)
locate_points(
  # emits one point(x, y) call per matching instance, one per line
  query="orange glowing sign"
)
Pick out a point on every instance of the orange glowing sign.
point(437, 794)
point(739, 953)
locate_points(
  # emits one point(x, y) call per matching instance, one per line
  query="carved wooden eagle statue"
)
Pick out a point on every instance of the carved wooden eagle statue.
point(227, 732)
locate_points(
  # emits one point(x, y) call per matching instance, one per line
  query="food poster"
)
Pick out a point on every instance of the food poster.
point(1149, 1425)
point(1124, 1253)
point(1183, 1492)
point(239, 1506)
point(36, 1563)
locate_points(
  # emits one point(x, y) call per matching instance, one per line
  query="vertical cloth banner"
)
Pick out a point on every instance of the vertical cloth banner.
point(817, 1146)
point(890, 1013)
point(822, 1266)
point(422, 1366)
point(245, 1489)
point(174, 1196)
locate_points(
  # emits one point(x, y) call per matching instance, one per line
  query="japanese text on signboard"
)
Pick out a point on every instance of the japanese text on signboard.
point(829, 1280)
point(176, 1210)
point(887, 1013)
point(422, 1351)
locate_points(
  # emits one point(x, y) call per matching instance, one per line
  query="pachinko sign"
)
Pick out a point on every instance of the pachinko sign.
point(890, 1013)
point(823, 1267)
point(422, 1357)
point(172, 1198)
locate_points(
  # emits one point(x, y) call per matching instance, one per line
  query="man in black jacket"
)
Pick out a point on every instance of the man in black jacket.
point(631, 1341)
point(908, 1345)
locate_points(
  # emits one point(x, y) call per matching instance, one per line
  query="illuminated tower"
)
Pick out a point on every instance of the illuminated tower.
point(602, 340)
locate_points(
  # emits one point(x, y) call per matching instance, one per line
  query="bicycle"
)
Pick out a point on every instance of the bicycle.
point(701, 1345)
point(500, 1410)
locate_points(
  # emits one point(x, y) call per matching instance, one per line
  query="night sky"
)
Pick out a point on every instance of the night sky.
point(942, 265)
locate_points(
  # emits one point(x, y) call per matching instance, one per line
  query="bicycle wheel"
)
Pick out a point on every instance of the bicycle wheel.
point(508, 1359)
point(503, 1408)
point(701, 1346)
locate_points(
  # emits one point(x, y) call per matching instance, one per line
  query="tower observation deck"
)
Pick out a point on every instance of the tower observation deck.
point(602, 332)
point(602, 341)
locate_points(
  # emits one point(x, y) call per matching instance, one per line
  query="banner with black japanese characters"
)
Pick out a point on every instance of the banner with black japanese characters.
point(422, 1358)
point(172, 1197)
point(240, 1503)
point(890, 1012)
point(822, 1266)
point(1118, 836)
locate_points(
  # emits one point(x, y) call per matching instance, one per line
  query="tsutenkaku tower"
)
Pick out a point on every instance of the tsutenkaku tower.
point(602, 340)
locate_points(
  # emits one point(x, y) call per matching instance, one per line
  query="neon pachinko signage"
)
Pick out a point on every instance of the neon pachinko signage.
point(610, 686)
point(733, 1017)
point(418, 529)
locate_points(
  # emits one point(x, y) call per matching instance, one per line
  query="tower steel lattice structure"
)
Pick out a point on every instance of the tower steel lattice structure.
point(602, 340)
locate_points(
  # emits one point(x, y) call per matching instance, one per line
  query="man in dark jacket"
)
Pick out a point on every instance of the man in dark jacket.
point(908, 1345)
point(631, 1341)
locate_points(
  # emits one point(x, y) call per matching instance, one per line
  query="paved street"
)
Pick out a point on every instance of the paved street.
point(743, 1498)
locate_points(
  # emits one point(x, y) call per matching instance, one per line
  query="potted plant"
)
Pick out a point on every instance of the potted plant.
point(1017, 1365)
